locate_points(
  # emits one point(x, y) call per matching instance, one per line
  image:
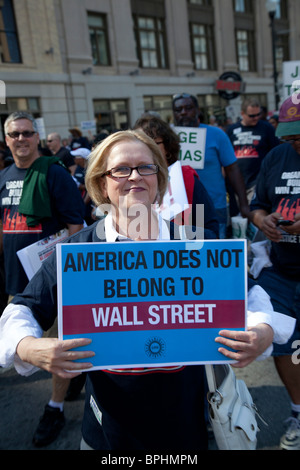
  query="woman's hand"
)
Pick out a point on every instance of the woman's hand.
point(55, 355)
point(247, 345)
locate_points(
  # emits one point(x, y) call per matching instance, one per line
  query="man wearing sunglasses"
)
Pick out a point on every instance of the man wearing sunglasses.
point(38, 198)
point(252, 138)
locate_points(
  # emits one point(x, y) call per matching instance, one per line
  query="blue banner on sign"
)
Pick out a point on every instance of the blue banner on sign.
point(152, 303)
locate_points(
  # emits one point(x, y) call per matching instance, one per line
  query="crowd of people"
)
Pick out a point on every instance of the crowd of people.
point(254, 164)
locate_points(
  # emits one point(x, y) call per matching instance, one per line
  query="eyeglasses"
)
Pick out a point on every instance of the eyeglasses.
point(25, 134)
point(290, 141)
point(253, 115)
point(125, 171)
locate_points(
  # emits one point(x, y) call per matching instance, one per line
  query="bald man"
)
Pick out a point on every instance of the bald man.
point(54, 144)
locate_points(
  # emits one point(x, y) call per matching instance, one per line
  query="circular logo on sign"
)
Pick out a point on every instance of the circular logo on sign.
point(155, 347)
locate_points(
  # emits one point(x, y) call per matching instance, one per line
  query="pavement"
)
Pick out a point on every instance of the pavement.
point(22, 402)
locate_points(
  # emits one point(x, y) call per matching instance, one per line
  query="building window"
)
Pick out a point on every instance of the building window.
point(244, 20)
point(212, 106)
point(111, 115)
point(31, 105)
point(200, 2)
point(99, 39)
point(245, 47)
point(202, 41)
point(150, 42)
point(282, 50)
point(282, 10)
point(243, 6)
point(160, 104)
point(9, 42)
point(282, 38)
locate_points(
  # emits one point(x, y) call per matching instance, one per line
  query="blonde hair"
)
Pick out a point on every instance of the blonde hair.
point(97, 163)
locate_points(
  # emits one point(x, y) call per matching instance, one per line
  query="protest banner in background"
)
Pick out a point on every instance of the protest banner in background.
point(192, 146)
point(291, 78)
point(151, 303)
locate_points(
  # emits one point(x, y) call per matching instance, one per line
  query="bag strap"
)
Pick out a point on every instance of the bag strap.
point(211, 379)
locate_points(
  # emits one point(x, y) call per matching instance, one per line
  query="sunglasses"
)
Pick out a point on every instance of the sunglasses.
point(290, 141)
point(25, 134)
point(253, 115)
point(181, 95)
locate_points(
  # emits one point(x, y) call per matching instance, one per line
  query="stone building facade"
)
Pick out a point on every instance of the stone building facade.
point(75, 61)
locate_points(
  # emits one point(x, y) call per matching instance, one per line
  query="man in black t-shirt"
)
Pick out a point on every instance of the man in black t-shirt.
point(38, 198)
point(65, 205)
point(252, 138)
point(276, 212)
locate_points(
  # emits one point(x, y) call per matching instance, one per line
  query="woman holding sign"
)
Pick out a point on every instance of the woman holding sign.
point(152, 409)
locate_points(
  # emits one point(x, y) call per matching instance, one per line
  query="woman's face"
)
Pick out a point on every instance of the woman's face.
point(134, 189)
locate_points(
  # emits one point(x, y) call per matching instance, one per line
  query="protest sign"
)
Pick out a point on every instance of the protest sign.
point(89, 126)
point(149, 304)
point(175, 199)
point(291, 79)
point(192, 146)
point(41, 128)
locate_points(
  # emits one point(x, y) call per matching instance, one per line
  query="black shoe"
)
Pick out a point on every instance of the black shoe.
point(75, 387)
point(50, 425)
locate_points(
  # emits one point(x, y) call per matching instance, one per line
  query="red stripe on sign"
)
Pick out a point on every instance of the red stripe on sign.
point(102, 318)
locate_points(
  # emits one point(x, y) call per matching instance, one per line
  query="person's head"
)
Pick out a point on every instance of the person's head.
point(264, 113)
point(99, 137)
point(129, 149)
point(274, 120)
point(160, 131)
point(251, 112)
point(54, 142)
point(81, 156)
point(288, 129)
point(22, 138)
point(65, 142)
point(185, 110)
point(75, 132)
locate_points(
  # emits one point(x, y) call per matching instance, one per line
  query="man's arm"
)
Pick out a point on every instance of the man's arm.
point(236, 180)
point(66, 198)
point(74, 228)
